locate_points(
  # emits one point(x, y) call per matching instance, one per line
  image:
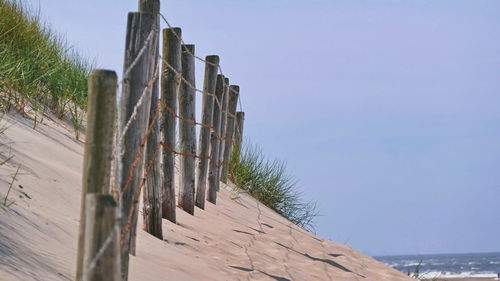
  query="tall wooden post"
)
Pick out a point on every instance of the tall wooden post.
point(238, 133)
point(101, 255)
point(215, 143)
point(187, 131)
point(136, 101)
point(152, 8)
point(223, 122)
point(234, 92)
point(153, 188)
point(98, 145)
point(211, 68)
point(169, 90)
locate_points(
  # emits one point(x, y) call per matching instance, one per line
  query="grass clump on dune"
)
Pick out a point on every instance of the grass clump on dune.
point(39, 70)
point(267, 181)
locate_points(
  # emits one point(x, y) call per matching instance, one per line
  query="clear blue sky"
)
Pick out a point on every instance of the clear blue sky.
point(388, 112)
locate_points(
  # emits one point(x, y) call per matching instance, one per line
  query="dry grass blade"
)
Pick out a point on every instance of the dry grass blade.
point(10, 186)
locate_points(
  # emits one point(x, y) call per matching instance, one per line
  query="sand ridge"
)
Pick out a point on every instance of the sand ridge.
point(238, 239)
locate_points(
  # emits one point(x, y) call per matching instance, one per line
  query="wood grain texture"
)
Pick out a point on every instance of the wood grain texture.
point(187, 131)
point(101, 221)
point(169, 92)
point(223, 122)
point(213, 170)
point(233, 95)
point(238, 133)
point(152, 195)
point(209, 86)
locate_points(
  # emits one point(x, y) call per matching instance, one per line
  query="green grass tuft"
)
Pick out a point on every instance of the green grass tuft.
point(267, 181)
point(38, 68)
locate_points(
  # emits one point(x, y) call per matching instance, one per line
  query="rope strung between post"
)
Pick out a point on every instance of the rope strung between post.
point(190, 85)
point(138, 156)
point(120, 134)
point(160, 145)
point(147, 43)
point(197, 57)
point(149, 84)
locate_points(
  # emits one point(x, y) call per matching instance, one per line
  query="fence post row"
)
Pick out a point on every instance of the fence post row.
point(187, 131)
point(135, 104)
point(146, 134)
point(215, 144)
point(209, 85)
point(170, 82)
point(223, 125)
point(230, 126)
point(97, 161)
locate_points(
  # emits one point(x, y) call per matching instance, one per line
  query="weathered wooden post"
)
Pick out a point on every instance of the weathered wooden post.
point(230, 126)
point(152, 8)
point(238, 133)
point(211, 68)
point(187, 131)
point(223, 123)
point(98, 145)
point(101, 258)
point(153, 188)
point(135, 104)
point(170, 81)
point(215, 143)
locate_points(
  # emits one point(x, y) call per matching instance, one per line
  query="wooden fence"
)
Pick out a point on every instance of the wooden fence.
point(131, 143)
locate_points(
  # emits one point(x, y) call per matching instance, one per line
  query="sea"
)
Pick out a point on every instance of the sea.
point(447, 265)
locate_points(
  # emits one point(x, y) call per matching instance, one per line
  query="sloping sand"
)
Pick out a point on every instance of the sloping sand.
point(239, 239)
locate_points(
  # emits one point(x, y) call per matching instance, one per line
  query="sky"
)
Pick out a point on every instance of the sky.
point(386, 111)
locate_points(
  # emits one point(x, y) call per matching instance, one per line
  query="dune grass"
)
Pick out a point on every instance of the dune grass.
point(268, 181)
point(38, 68)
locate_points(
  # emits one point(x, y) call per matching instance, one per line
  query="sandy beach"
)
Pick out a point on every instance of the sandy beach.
point(237, 238)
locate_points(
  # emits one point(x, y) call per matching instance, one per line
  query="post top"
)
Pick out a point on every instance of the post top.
point(235, 89)
point(188, 47)
point(149, 6)
point(176, 30)
point(104, 73)
point(214, 59)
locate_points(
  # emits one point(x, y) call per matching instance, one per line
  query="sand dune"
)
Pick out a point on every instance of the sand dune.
point(239, 239)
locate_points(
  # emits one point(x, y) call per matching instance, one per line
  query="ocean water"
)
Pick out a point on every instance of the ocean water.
point(447, 265)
